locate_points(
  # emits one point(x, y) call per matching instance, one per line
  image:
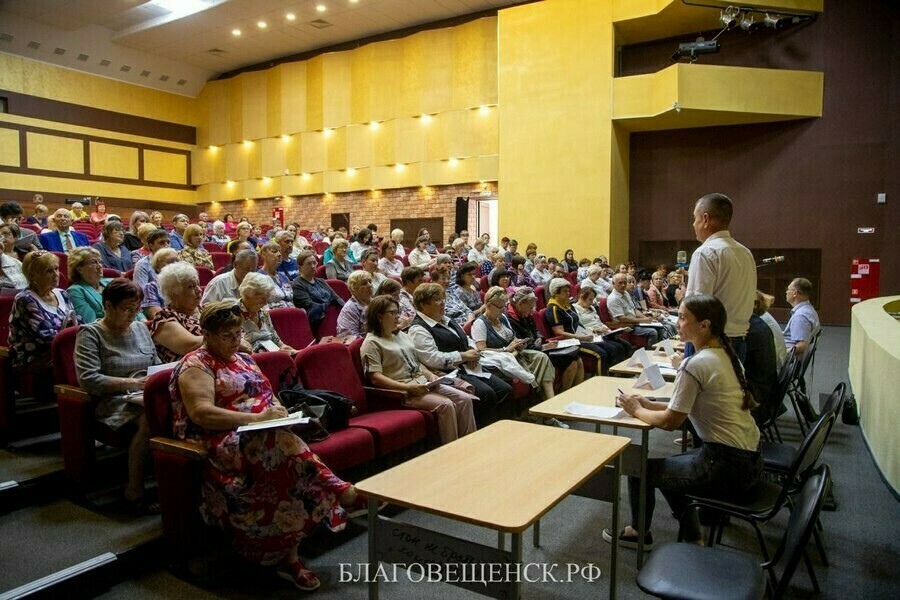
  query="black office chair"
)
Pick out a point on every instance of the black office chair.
point(797, 391)
point(687, 571)
point(767, 413)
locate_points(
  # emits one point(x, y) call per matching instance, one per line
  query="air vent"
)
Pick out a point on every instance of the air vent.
point(124, 68)
point(34, 45)
point(182, 81)
point(216, 51)
point(145, 73)
point(83, 57)
point(105, 63)
point(59, 51)
point(6, 37)
point(163, 77)
point(320, 23)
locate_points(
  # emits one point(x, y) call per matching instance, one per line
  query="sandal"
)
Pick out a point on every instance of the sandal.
point(142, 505)
point(302, 578)
point(629, 541)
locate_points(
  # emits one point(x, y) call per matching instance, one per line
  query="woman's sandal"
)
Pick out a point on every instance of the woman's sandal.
point(302, 578)
point(142, 505)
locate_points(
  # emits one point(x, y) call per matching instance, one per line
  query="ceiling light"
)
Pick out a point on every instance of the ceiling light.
point(229, 182)
point(321, 7)
point(426, 119)
point(290, 16)
point(454, 162)
point(236, 32)
point(305, 175)
point(400, 166)
point(374, 125)
point(327, 132)
point(213, 148)
point(729, 16)
point(247, 143)
point(351, 172)
point(484, 110)
point(285, 137)
point(266, 179)
point(261, 24)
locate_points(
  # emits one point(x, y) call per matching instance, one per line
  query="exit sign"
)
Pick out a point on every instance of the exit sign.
point(865, 230)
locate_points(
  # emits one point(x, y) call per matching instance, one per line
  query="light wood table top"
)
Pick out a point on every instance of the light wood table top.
point(599, 391)
point(504, 477)
point(662, 360)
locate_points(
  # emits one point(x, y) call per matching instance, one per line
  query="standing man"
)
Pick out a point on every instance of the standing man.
point(176, 236)
point(722, 267)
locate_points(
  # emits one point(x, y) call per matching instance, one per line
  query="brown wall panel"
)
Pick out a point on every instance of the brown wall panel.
point(806, 184)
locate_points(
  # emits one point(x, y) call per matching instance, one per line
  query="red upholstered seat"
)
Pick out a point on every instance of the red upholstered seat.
point(292, 326)
point(320, 247)
point(634, 339)
point(340, 288)
point(330, 367)
point(320, 271)
point(220, 259)
point(112, 273)
point(63, 269)
point(204, 274)
point(7, 390)
point(346, 449)
point(278, 367)
point(540, 293)
point(212, 247)
point(328, 325)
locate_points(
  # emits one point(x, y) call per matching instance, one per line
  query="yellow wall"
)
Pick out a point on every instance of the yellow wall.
point(315, 117)
point(560, 158)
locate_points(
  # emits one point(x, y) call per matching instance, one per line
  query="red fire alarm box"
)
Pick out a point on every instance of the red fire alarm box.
point(278, 213)
point(864, 279)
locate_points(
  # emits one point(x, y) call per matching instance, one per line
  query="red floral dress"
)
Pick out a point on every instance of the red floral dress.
point(267, 487)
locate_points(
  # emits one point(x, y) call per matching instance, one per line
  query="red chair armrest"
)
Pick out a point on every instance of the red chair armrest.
point(184, 448)
point(72, 393)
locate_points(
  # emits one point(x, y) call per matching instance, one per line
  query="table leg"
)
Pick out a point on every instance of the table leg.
point(642, 501)
point(614, 544)
point(516, 543)
point(536, 534)
point(373, 559)
point(501, 540)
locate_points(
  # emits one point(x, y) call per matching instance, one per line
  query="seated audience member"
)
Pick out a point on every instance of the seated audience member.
point(521, 275)
point(180, 223)
point(390, 287)
point(595, 281)
point(563, 321)
point(583, 265)
point(639, 286)
point(78, 214)
point(288, 266)
point(215, 390)
point(464, 235)
point(499, 346)
point(410, 279)
point(39, 312)
point(618, 349)
point(487, 266)
point(511, 251)
point(242, 232)
point(300, 243)
point(501, 278)
point(39, 217)
point(460, 253)
point(369, 263)
point(389, 264)
point(175, 328)
point(777, 333)
point(193, 252)
point(113, 253)
point(520, 315)
point(205, 223)
point(352, 320)
point(156, 218)
point(622, 310)
point(329, 252)
point(225, 286)
point(144, 251)
point(319, 234)
point(454, 308)
point(675, 290)
point(569, 262)
point(442, 346)
point(656, 298)
point(464, 289)
point(429, 246)
point(143, 272)
point(153, 299)
point(499, 265)
point(111, 359)
point(760, 363)
point(559, 270)
point(282, 292)
point(10, 266)
point(98, 217)
point(86, 284)
point(530, 255)
point(230, 223)
point(234, 249)
point(477, 254)
point(389, 360)
point(12, 213)
point(64, 239)
point(259, 333)
point(803, 325)
point(363, 242)
point(541, 274)
point(397, 237)
point(339, 267)
point(132, 241)
point(711, 391)
point(218, 234)
point(312, 294)
point(420, 257)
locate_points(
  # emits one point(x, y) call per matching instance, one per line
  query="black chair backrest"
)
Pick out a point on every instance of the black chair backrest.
point(808, 356)
point(785, 378)
point(806, 459)
point(835, 400)
point(807, 506)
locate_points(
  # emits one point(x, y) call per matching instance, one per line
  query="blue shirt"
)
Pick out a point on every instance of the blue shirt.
point(803, 325)
point(176, 241)
point(290, 268)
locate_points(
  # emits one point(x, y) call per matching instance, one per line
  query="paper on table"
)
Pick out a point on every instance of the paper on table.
point(296, 418)
point(567, 343)
point(667, 370)
point(651, 378)
point(154, 368)
point(640, 359)
point(666, 347)
point(587, 410)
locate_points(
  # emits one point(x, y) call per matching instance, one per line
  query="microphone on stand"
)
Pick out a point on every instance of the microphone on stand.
point(770, 261)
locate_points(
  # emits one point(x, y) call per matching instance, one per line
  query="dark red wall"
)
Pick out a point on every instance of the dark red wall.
point(800, 184)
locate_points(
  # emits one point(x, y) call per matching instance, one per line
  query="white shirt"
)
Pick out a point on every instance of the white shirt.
point(419, 258)
point(777, 337)
point(427, 350)
point(221, 287)
point(707, 390)
point(723, 268)
point(12, 275)
point(620, 305)
point(477, 257)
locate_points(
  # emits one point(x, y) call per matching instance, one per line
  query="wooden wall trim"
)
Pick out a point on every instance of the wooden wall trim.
point(46, 109)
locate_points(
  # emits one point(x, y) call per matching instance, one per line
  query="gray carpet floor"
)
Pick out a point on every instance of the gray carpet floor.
point(861, 537)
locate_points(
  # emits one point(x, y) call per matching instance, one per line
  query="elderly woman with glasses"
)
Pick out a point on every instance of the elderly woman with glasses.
point(113, 252)
point(267, 476)
point(153, 298)
point(111, 360)
point(281, 292)
point(256, 289)
point(339, 267)
point(311, 293)
point(10, 266)
point(175, 328)
point(389, 264)
point(352, 320)
point(193, 252)
point(86, 284)
point(389, 361)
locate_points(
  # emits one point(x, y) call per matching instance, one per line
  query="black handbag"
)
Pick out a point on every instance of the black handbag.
point(332, 409)
point(850, 412)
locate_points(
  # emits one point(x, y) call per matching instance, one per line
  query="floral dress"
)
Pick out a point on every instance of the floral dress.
point(33, 324)
point(167, 315)
point(199, 257)
point(266, 487)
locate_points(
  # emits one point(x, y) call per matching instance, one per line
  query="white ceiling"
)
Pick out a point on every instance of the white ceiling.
point(174, 55)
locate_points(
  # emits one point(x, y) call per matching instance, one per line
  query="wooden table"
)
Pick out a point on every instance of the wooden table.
point(602, 391)
point(677, 344)
point(504, 477)
point(662, 360)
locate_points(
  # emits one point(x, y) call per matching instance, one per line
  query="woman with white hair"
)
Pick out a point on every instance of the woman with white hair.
point(352, 320)
point(257, 329)
point(153, 298)
point(175, 328)
point(218, 236)
point(477, 254)
point(397, 237)
point(282, 294)
point(595, 281)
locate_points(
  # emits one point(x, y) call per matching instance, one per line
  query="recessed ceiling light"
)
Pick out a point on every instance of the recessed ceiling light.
point(236, 32)
point(290, 16)
point(321, 7)
point(261, 24)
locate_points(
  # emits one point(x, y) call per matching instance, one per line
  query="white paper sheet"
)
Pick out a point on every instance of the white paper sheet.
point(651, 378)
point(154, 368)
point(567, 343)
point(296, 418)
point(667, 347)
point(478, 372)
point(640, 359)
point(599, 412)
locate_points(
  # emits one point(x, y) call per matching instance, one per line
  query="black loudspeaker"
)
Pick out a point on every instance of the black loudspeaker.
point(462, 214)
